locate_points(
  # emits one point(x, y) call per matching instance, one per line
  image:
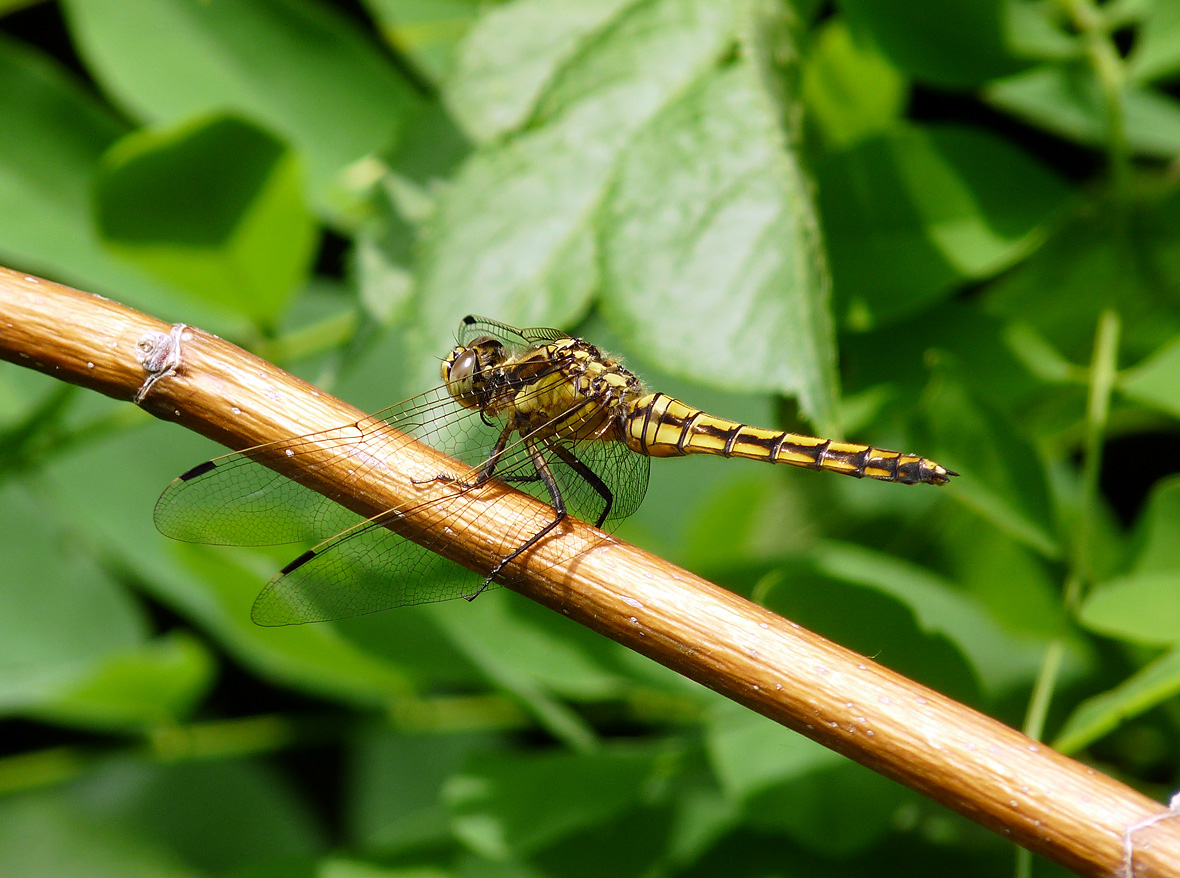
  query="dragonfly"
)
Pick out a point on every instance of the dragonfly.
point(535, 409)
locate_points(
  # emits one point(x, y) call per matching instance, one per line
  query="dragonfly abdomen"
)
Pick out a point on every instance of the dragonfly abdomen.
point(661, 426)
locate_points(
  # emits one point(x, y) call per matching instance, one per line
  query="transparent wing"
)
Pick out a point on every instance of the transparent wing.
point(371, 567)
point(474, 326)
point(260, 496)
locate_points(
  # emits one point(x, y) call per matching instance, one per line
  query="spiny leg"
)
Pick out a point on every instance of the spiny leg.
point(546, 475)
point(591, 478)
point(486, 469)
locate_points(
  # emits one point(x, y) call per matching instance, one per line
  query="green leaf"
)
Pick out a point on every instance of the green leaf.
point(295, 66)
point(61, 617)
point(513, 236)
point(215, 588)
point(1157, 43)
point(1157, 531)
point(1000, 659)
point(394, 785)
point(45, 837)
point(1106, 255)
point(55, 135)
point(849, 90)
point(1143, 608)
point(159, 682)
point(710, 225)
point(750, 753)
point(512, 804)
point(873, 621)
point(218, 815)
point(1102, 714)
point(954, 45)
point(516, 51)
point(912, 214)
point(1003, 478)
point(1156, 381)
point(1067, 100)
point(426, 32)
point(559, 655)
point(787, 783)
point(214, 206)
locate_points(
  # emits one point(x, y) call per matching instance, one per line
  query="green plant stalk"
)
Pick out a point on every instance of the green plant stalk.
point(1103, 371)
point(1103, 368)
point(319, 337)
point(1107, 62)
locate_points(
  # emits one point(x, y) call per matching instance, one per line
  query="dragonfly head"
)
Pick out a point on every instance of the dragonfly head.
point(468, 366)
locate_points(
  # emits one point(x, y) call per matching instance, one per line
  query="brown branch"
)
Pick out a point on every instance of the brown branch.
point(994, 775)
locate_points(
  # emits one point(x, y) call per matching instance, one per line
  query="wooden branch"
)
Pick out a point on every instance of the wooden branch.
point(994, 775)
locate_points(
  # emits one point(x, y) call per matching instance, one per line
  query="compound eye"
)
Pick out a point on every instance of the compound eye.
point(460, 382)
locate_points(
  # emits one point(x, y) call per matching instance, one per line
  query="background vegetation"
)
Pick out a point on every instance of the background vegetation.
point(951, 227)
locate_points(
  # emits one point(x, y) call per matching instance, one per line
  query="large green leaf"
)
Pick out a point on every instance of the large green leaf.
point(45, 836)
point(55, 135)
point(506, 804)
point(61, 617)
point(912, 214)
point(513, 236)
point(517, 51)
point(1108, 254)
point(710, 225)
point(961, 44)
point(1003, 478)
point(849, 90)
point(1101, 714)
point(1157, 531)
point(1157, 46)
point(425, 31)
point(1156, 381)
point(214, 206)
point(787, 783)
point(394, 785)
point(296, 66)
point(1000, 659)
point(217, 815)
point(160, 682)
point(1141, 607)
point(1068, 100)
point(750, 753)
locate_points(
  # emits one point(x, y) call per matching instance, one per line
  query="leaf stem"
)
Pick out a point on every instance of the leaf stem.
point(1108, 66)
point(307, 341)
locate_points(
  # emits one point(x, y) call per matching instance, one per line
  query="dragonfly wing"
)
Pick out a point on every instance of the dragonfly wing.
point(370, 567)
point(472, 327)
point(364, 570)
point(237, 500)
point(240, 500)
point(624, 473)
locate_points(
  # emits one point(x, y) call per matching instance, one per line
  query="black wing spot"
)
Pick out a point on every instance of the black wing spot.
point(198, 470)
point(298, 562)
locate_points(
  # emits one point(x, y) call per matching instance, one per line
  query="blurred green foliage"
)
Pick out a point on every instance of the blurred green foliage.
point(952, 227)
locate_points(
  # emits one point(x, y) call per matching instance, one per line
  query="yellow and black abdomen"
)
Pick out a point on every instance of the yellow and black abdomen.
point(661, 426)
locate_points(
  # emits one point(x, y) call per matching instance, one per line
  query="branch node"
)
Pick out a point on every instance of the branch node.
point(159, 354)
point(1128, 834)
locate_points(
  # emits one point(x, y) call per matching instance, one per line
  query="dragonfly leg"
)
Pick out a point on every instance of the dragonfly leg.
point(546, 476)
point(591, 477)
point(486, 469)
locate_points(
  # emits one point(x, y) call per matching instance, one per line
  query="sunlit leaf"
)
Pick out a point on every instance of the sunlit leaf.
point(1103, 713)
point(297, 67)
point(214, 206)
